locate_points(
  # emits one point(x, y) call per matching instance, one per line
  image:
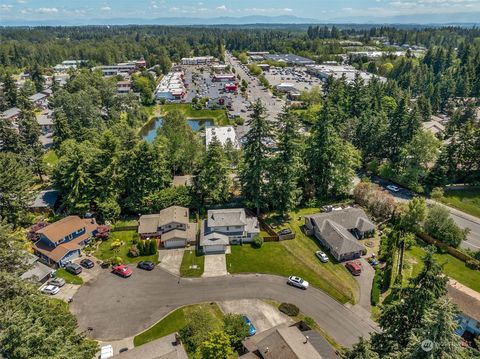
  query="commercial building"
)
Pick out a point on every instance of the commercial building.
point(231, 87)
point(223, 134)
point(171, 87)
point(286, 87)
point(290, 59)
point(219, 68)
point(122, 68)
point(68, 64)
point(223, 78)
point(197, 60)
point(349, 73)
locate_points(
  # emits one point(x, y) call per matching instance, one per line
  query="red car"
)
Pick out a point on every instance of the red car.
point(122, 270)
point(354, 267)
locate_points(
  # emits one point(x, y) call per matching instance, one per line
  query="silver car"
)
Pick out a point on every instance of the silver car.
point(297, 282)
point(57, 282)
point(50, 289)
point(322, 256)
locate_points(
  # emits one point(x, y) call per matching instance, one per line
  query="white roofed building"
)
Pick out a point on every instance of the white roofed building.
point(222, 134)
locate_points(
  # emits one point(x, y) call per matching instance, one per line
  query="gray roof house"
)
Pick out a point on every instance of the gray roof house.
point(227, 226)
point(11, 114)
point(339, 231)
point(171, 225)
point(37, 270)
point(45, 201)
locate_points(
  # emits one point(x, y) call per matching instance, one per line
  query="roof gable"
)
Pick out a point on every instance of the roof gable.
point(227, 217)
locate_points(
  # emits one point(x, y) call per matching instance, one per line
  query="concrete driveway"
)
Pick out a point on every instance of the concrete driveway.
point(364, 280)
point(262, 315)
point(215, 265)
point(171, 260)
point(117, 308)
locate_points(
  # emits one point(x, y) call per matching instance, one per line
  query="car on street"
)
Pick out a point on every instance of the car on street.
point(147, 265)
point(50, 289)
point(87, 263)
point(297, 282)
point(393, 188)
point(73, 268)
point(322, 256)
point(122, 270)
point(57, 282)
point(354, 267)
point(251, 328)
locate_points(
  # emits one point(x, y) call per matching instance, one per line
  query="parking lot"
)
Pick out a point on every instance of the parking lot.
point(297, 76)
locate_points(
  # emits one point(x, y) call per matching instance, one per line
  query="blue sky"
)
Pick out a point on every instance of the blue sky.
point(317, 9)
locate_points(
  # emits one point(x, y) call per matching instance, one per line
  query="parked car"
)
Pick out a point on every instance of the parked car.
point(322, 256)
point(147, 265)
point(87, 263)
point(285, 231)
point(57, 282)
point(297, 282)
point(122, 270)
point(393, 188)
point(354, 267)
point(73, 268)
point(251, 328)
point(50, 289)
point(373, 261)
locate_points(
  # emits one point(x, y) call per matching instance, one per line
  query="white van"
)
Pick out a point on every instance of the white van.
point(106, 352)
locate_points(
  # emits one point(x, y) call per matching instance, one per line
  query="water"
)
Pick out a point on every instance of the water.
point(149, 132)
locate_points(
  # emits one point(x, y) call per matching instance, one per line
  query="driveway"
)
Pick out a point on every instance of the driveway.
point(116, 308)
point(262, 315)
point(171, 260)
point(364, 307)
point(215, 265)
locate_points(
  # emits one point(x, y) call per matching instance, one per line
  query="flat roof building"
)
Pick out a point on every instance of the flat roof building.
point(222, 134)
point(349, 73)
point(171, 87)
point(197, 60)
point(290, 59)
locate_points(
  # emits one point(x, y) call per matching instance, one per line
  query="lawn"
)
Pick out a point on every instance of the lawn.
point(104, 251)
point(50, 158)
point(69, 277)
point(296, 257)
point(175, 321)
point(219, 116)
point(465, 200)
point(191, 257)
point(453, 267)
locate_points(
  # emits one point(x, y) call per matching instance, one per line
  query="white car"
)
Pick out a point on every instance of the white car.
point(50, 289)
point(393, 188)
point(322, 256)
point(297, 282)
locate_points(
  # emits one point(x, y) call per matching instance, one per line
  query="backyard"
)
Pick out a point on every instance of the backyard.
point(190, 259)
point(175, 321)
point(105, 252)
point(464, 200)
point(296, 257)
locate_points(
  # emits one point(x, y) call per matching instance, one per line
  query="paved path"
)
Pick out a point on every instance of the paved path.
point(117, 308)
point(215, 265)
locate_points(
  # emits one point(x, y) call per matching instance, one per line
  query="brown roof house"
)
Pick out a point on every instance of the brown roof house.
point(171, 225)
point(280, 342)
point(339, 231)
point(468, 302)
point(62, 241)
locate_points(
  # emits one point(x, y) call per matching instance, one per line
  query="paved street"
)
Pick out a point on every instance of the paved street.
point(115, 308)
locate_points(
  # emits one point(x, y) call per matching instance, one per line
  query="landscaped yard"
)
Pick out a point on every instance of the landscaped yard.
point(453, 267)
point(175, 321)
point(296, 257)
point(465, 200)
point(50, 158)
point(104, 251)
point(191, 258)
point(219, 116)
point(69, 277)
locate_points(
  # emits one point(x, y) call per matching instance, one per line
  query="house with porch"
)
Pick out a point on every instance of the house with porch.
point(340, 231)
point(227, 226)
point(172, 226)
point(62, 241)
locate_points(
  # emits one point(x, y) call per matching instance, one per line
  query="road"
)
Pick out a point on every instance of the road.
point(115, 308)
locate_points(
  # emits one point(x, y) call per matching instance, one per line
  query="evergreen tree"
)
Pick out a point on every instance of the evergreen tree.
point(10, 90)
point(30, 134)
point(361, 350)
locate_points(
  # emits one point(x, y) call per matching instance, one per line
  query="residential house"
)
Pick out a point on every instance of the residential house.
point(123, 87)
point(468, 302)
point(280, 342)
point(171, 225)
point(339, 231)
point(62, 241)
point(37, 270)
point(227, 226)
point(39, 100)
point(12, 114)
point(45, 201)
point(45, 121)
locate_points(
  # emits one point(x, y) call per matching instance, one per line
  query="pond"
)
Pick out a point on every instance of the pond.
point(149, 131)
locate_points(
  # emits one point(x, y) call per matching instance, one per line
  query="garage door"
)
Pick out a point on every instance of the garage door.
point(215, 249)
point(175, 243)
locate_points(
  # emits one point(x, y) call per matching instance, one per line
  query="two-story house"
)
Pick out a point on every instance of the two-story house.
point(227, 226)
point(171, 225)
point(62, 241)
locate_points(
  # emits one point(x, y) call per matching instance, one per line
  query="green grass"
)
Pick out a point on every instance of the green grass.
point(296, 257)
point(104, 251)
point(465, 200)
point(69, 277)
point(126, 222)
point(175, 321)
point(50, 158)
point(191, 257)
point(453, 267)
point(219, 116)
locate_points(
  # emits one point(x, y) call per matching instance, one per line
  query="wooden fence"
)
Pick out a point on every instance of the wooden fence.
point(454, 252)
point(125, 228)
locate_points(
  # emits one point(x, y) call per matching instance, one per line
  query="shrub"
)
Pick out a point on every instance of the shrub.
point(309, 321)
point(116, 244)
point(376, 287)
point(257, 241)
point(289, 309)
point(152, 248)
point(133, 251)
point(473, 264)
point(437, 193)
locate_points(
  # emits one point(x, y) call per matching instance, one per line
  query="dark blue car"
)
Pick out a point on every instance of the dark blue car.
point(251, 328)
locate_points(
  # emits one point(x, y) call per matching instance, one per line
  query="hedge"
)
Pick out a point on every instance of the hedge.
point(289, 309)
point(376, 287)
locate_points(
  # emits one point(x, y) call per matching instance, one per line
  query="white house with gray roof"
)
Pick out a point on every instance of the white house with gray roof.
point(340, 231)
point(227, 226)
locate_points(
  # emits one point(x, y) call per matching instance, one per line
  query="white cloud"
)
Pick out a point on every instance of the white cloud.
point(221, 8)
point(46, 10)
point(5, 7)
point(105, 8)
point(22, 1)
